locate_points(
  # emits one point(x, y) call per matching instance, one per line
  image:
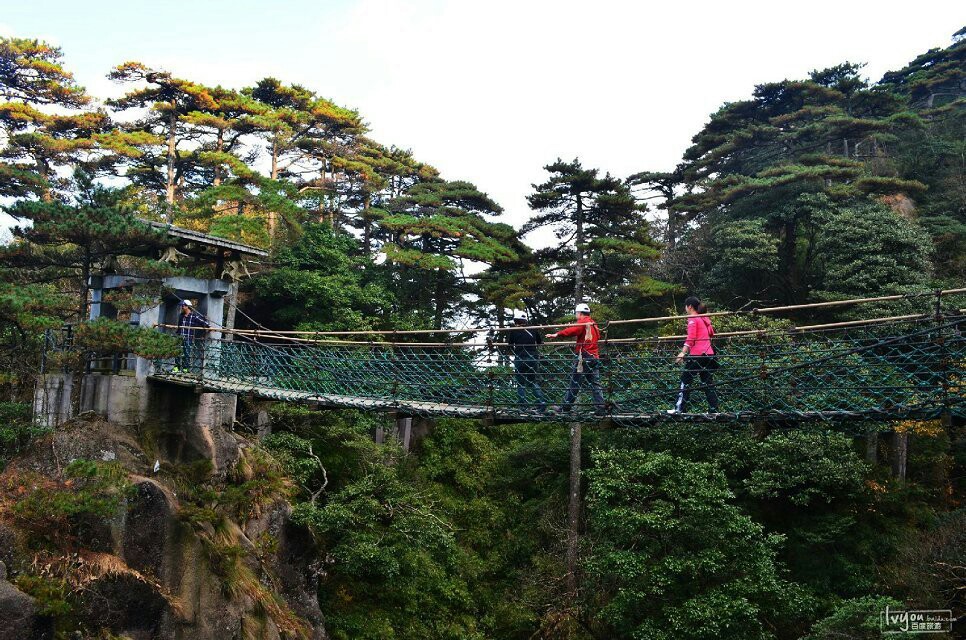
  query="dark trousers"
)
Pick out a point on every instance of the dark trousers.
point(586, 371)
point(191, 354)
point(526, 373)
point(700, 366)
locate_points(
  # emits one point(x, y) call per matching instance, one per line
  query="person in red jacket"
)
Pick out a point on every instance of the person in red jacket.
point(587, 365)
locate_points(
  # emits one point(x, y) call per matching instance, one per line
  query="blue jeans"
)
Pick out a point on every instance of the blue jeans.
point(526, 372)
point(589, 376)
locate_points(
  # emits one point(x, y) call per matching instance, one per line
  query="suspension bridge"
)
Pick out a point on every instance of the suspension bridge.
point(896, 367)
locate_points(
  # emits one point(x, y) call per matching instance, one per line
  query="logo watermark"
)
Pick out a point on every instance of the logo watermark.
point(916, 621)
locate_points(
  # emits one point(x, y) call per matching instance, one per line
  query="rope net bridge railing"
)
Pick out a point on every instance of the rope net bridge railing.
point(898, 368)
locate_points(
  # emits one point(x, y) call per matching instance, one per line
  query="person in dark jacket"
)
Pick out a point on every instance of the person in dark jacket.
point(190, 325)
point(526, 362)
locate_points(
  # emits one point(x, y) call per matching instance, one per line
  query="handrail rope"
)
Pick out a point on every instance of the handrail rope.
point(286, 335)
point(814, 305)
point(288, 352)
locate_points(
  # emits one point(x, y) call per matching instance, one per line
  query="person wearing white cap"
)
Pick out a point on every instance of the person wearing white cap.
point(526, 361)
point(190, 325)
point(587, 365)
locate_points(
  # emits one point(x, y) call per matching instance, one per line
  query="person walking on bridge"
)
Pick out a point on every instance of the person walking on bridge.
point(587, 364)
point(526, 361)
point(190, 325)
point(697, 354)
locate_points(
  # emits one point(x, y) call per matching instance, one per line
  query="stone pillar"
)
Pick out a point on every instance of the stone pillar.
point(97, 296)
point(872, 446)
point(404, 431)
point(263, 424)
point(148, 319)
point(52, 399)
point(213, 306)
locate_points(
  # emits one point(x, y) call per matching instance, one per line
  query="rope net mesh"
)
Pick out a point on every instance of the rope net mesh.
point(896, 370)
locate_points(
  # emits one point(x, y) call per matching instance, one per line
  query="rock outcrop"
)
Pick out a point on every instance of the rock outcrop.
point(172, 561)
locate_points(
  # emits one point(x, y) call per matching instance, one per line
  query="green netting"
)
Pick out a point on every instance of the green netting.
point(911, 369)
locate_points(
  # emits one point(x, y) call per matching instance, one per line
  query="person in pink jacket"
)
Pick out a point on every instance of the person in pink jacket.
point(697, 354)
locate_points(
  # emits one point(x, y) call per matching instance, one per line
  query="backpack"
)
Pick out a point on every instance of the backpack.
point(712, 359)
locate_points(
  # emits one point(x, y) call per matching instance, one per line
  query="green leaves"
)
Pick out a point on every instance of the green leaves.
point(803, 467)
point(751, 179)
point(603, 239)
point(866, 249)
point(32, 71)
point(671, 554)
point(317, 285)
point(57, 512)
point(107, 336)
point(434, 227)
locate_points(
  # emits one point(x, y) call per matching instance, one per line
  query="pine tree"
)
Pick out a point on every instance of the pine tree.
point(603, 238)
point(158, 164)
point(66, 242)
point(32, 72)
point(375, 174)
point(932, 86)
point(40, 142)
point(751, 167)
point(226, 124)
point(436, 228)
point(305, 135)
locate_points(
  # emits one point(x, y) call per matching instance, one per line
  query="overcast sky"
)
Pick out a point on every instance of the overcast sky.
point(491, 91)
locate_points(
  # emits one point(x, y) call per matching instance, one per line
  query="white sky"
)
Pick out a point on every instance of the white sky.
point(491, 91)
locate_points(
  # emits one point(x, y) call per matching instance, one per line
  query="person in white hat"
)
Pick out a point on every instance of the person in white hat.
point(587, 365)
point(190, 329)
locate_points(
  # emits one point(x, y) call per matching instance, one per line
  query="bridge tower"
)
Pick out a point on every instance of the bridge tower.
point(118, 387)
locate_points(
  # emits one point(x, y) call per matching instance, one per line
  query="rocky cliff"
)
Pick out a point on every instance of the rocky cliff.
point(99, 541)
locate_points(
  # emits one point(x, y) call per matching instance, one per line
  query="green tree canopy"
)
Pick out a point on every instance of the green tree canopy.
point(672, 557)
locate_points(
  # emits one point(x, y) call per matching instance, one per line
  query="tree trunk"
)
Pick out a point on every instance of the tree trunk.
point(440, 305)
point(231, 302)
point(789, 245)
point(274, 159)
point(573, 511)
point(579, 264)
point(219, 146)
point(900, 453)
point(272, 216)
point(172, 144)
point(43, 170)
point(672, 227)
point(272, 225)
point(367, 225)
point(85, 285)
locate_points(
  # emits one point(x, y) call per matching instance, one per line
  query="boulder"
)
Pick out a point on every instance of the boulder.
point(18, 614)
